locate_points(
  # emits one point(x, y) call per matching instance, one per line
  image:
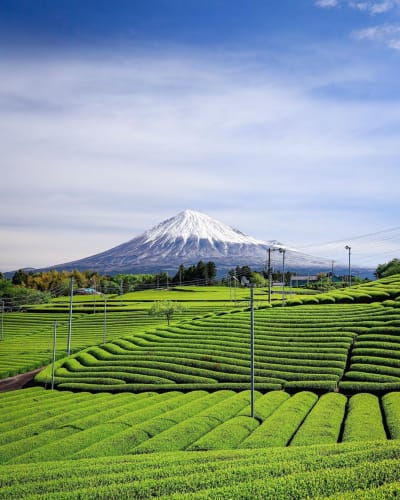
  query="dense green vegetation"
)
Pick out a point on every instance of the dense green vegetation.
point(65, 445)
point(38, 425)
point(28, 336)
point(186, 430)
point(348, 471)
point(304, 347)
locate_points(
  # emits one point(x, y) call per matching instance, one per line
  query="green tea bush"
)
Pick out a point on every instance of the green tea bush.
point(226, 436)
point(277, 430)
point(391, 407)
point(322, 425)
point(364, 419)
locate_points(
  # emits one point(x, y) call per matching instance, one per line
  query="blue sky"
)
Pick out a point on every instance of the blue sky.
point(278, 117)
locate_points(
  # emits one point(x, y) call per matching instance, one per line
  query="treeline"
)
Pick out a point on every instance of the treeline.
point(388, 269)
point(55, 283)
point(202, 271)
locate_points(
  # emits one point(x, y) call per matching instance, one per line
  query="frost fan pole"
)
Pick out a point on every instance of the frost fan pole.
point(2, 320)
point(71, 294)
point(252, 348)
point(105, 320)
point(54, 354)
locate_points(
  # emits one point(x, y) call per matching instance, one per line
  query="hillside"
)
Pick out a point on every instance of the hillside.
point(165, 412)
point(347, 344)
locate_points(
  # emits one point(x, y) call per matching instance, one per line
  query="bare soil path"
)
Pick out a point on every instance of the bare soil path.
point(18, 381)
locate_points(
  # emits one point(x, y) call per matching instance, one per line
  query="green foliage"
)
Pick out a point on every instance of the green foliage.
point(165, 308)
point(352, 470)
point(389, 269)
point(278, 428)
point(391, 407)
point(322, 425)
point(364, 419)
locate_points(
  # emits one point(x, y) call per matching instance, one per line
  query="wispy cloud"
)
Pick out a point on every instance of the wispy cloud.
point(371, 6)
point(327, 3)
point(374, 7)
point(103, 148)
point(388, 34)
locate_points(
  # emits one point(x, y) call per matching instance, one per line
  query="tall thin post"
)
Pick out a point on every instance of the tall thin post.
point(94, 297)
point(282, 251)
point(269, 276)
point(2, 320)
point(71, 295)
point(121, 289)
point(54, 354)
point(347, 247)
point(105, 320)
point(252, 349)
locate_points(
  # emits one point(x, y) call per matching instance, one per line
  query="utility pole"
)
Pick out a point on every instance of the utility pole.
point(269, 271)
point(235, 288)
point(94, 295)
point(54, 354)
point(252, 349)
point(282, 251)
point(105, 320)
point(347, 247)
point(71, 294)
point(2, 320)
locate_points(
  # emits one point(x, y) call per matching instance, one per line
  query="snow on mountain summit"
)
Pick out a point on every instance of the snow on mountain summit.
point(186, 239)
point(191, 224)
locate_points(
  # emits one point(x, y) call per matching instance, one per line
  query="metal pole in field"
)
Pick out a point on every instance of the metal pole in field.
point(2, 320)
point(347, 247)
point(252, 349)
point(105, 321)
point(71, 295)
point(282, 251)
point(94, 297)
point(54, 354)
point(269, 276)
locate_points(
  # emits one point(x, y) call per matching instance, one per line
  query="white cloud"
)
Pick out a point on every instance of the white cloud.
point(371, 6)
point(388, 34)
point(96, 151)
point(327, 3)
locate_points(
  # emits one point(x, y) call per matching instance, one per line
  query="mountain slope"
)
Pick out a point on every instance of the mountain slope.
point(185, 239)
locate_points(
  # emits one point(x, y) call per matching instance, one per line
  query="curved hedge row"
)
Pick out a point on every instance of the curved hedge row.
point(303, 347)
point(111, 425)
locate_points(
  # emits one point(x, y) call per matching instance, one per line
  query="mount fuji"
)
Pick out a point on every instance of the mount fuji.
point(186, 239)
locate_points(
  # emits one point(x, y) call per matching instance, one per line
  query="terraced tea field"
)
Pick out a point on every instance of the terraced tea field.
point(75, 426)
point(168, 412)
point(303, 347)
point(28, 336)
point(367, 471)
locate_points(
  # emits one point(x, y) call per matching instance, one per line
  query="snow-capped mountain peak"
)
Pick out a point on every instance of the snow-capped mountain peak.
point(186, 239)
point(190, 224)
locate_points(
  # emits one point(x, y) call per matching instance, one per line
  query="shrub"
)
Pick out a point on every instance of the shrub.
point(322, 425)
point(364, 419)
point(279, 427)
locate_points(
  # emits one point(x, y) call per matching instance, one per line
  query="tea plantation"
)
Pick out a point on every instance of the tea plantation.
point(164, 411)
